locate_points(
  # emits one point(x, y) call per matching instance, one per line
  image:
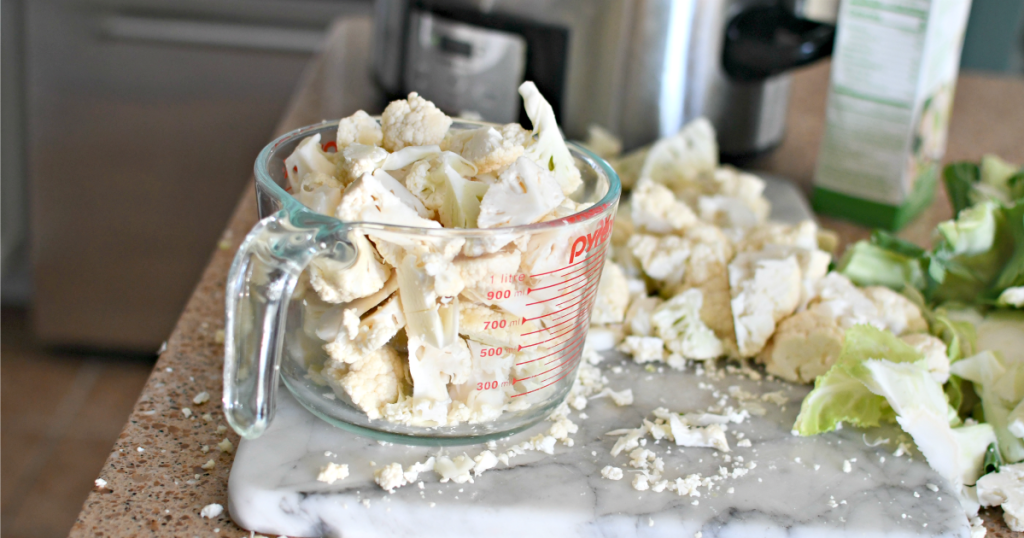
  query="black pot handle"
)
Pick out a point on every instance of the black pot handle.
point(764, 41)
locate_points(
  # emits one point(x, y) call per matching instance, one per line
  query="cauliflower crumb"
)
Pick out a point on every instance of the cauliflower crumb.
point(100, 483)
point(210, 464)
point(611, 473)
point(332, 472)
point(187, 412)
point(225, 446)
point(456, 470)
point(847, 467)
point(390, 477)
point(211, 511)
point(201, 398)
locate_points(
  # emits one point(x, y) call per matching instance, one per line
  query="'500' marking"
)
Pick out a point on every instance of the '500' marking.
point(584, 243)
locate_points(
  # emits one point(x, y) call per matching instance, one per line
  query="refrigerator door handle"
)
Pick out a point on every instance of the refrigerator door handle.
point(212, 33)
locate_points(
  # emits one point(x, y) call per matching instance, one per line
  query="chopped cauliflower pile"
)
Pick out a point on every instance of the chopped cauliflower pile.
point(697, 272)
point(423, 329)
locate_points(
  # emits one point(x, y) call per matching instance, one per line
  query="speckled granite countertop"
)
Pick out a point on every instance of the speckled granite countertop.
point(156, 482)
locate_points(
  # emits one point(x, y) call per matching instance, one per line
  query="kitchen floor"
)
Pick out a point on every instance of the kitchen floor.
point(61, 413)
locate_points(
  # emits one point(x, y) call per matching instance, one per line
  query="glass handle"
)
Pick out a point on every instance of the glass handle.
point(259, 288)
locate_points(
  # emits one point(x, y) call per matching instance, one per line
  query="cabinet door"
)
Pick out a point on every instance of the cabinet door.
point(145, 119)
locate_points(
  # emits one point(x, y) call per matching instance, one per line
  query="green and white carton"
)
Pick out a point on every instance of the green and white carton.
point(894, 70)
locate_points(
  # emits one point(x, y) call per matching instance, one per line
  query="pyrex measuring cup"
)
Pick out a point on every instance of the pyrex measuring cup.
point(523, 313)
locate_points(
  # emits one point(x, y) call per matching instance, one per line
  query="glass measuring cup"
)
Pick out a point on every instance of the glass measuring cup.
point(523, 321)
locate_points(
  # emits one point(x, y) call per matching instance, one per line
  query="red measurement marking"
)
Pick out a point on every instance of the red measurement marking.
point(551, 313)
point(598, 256)
point(592, 285)
point(546, 371)
point(589, 274)
point(531, 290)
point(563, 333)
point(557, 296)
point(567, 372)
point(329, 145)
point(545, 328)
point(566, 350)
point(557, 270)
point(544, 387)
point(573, 339)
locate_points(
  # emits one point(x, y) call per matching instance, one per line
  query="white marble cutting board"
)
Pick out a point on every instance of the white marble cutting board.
point(273, 487)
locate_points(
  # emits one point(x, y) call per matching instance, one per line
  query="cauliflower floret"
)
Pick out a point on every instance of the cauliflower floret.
point(428, 316)
point(413, 121)
point(727, 212)
point(604, 337)
point(764, 291)
point(326, 323)
point(839, 298)
point(804, 235)
point(1005, 488)
point(426, 179)
point(707, 270)
point(524, 193)
point(462, 199)
point(323, 200)
point(484, 273)
point(483, 392)
point(935, 354)
point(804, 346)
point(336, 282)
point(490, 326)
point(748, 189)
point(409, 155)
point(308, 159)
point(678, 323)
point(661, 257)
point(372, 333)
point(549, 149)
point(602, 142)
point(489, 149)
point(359, 128)
point(655, 209)
point(813, 265)
point(681, 161)
point(432, 368)
point(373, 381)
point(807, 344)
point(357, 160)
point(897, 312)
point(644, 348)
point(612, 295)
point(638, 315)
point(378, 197)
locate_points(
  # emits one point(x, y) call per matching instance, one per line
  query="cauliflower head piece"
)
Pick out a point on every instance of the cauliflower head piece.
point(413, 121)
point(372, 382)
point(359, 128)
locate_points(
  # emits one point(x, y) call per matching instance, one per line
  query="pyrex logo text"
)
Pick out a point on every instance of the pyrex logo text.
point(584, 243)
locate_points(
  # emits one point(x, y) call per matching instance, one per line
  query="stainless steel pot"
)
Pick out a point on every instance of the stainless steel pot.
point(639, 68)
